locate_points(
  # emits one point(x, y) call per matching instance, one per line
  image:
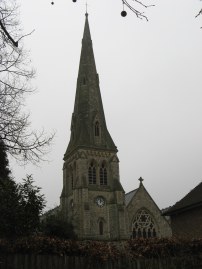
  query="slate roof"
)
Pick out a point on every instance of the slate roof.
point(192, 199)
point(129, 196)
point(88, 106)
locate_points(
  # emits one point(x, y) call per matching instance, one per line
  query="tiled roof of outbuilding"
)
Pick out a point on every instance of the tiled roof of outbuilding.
point(192, 199)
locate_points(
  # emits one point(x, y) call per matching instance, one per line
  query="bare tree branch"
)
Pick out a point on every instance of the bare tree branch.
point(200, 12)
point(15, 43)
point(25, 35)
point(138, 13)
point(20, 140)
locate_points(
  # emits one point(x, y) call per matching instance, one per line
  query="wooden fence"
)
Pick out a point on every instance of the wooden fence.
point(33, 261)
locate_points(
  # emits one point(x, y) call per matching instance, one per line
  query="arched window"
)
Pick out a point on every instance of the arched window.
point(92, 173)
point(139, 234)
point(101, 227)
point(149, 233)
point(103, 174)
point(97, 128)
point(143, 225)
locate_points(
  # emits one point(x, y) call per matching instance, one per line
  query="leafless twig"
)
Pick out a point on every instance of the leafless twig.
point(138, 13)
point(200, 12)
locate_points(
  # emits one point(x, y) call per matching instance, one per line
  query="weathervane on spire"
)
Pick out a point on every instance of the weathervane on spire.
point(86, 8)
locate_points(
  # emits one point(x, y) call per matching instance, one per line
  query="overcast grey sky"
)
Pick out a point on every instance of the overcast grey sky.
point(150, 80)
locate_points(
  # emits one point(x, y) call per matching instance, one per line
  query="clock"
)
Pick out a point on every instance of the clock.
point(100, 201)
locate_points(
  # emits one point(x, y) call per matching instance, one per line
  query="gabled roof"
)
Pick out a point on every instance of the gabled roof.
point(129, 196)
point(192, 199)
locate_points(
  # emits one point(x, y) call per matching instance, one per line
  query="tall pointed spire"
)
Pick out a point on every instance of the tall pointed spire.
point(86, 33)
point(88, 127)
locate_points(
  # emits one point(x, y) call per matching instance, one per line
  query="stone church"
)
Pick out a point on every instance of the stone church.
point(93, 199)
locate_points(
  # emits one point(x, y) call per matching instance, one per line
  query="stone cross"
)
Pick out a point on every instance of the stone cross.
point(140, 179)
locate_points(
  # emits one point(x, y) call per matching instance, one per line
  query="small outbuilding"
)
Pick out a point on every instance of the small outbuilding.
point(186, 215)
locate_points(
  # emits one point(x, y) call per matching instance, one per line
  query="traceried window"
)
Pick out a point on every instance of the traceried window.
point(103, 174)
point(143, 225)
point(92, 173)
point(97, 128)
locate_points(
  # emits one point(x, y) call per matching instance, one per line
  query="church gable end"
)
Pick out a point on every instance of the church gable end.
point(144, 216)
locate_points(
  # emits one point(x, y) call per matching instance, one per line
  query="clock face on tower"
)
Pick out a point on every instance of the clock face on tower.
point(100, 201)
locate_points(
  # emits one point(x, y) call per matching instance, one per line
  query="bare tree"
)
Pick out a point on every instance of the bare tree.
point(15, 75)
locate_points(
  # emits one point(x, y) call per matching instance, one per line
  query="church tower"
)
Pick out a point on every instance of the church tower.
point(92, 199)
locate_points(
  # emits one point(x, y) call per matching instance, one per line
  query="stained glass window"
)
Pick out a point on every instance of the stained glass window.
point(143, 225)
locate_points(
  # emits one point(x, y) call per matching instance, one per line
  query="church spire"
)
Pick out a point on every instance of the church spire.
point(86, 33)
point(88, 126)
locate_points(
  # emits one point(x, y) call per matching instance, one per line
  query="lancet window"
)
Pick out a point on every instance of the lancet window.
point(101, 227)
point(97, 128)
point(103, 174)
point(92, 173)
point(143, 225)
